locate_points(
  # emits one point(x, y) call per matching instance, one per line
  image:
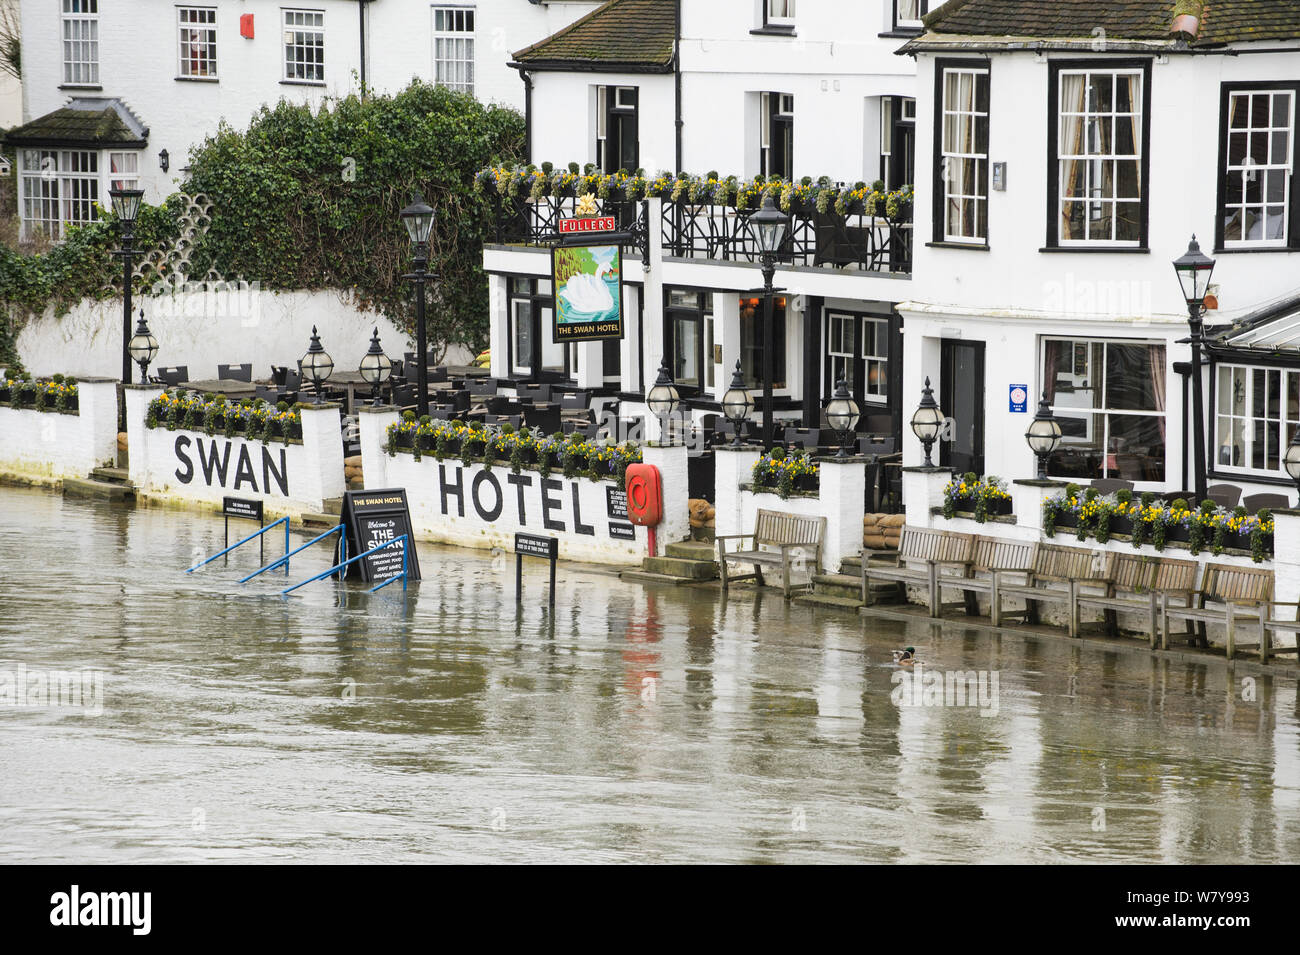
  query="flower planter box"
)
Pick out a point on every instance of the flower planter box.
point(403, 441)
point(1178, 533)
point(1121, 525)
point(807, 482)
point(1067, 520)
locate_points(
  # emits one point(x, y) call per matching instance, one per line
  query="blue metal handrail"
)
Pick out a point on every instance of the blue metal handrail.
point(336, 529)
point(252, 536)
point(350, 560)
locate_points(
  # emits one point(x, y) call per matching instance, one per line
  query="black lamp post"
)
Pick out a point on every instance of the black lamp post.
point(663, 399)
point(768, 227)
point(143, 347)
point(1044, 435)
point(737, 404)
point(842, 414)
point(126, 206)
point(1194, 270)
point(375, 365)
point(317, 364)
point(418, 219)
point(1292, 458)
point(927, 421)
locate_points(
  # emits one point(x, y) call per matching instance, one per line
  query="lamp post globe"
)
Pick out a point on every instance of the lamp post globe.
point(317, 364)
point(1044, 435)
point(768, 227)
point(663, 398)
point(842, 414)
point(1194, 269)
point(737, 404)
point(376, 367)
point(927, 421)
point(143, 347)
point(418, 218)
point(126, 206)
point(1291, 460)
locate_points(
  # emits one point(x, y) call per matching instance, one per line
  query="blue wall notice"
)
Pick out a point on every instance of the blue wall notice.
point(1019, 397)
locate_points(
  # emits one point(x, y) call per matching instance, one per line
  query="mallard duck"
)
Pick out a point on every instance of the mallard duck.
point(905, 657)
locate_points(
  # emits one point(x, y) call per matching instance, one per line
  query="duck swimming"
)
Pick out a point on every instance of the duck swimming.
point(905, 657)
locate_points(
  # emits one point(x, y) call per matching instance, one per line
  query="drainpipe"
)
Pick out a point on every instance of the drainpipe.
point(677, 80)
point(528, 111)
point(361, 35)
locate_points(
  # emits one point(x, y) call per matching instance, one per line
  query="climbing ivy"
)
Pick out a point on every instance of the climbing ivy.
point(309, 199)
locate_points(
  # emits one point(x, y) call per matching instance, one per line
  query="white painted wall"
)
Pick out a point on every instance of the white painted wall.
point(203, 330)
point(59, 445)
point(139, 53)
point(563, 118)
point(168, 465)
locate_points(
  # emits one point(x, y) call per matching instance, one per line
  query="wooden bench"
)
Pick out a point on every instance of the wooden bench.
point(1136, 586)
point(995, 556)
point(1272, 626)
point(920, 545)
point(1075, 567)
point(1245, 594)
point(776, 535)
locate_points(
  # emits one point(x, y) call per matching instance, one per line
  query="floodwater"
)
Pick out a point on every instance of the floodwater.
point(634, 725)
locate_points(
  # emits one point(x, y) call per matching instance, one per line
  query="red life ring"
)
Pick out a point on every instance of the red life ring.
point(645, 495)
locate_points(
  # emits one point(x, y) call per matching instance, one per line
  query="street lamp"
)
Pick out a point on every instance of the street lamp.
point(143, 347)
point(663, 398)
point(1044, 435)
point(317, 364)
point(1291, 460)
point(842, 414)
point(418, 219)
point(1194, 270)
point(768, 227)
point(375, 365)
point(927, 421)
point(126, 206)
point(737, 404)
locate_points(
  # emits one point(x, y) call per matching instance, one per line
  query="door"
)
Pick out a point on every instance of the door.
point(961, 396)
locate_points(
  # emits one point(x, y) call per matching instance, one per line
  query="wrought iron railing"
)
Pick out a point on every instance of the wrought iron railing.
point(828, 239)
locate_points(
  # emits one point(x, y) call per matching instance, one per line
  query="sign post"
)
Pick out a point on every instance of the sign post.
point(372, 518)
point(248, 510)
point(534, 545)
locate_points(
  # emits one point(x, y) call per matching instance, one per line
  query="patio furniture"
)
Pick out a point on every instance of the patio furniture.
point(920, 545)
point(1253, 502)
point(1225, 495)
point(775, 538)
point(235, 372)
point(1111, 485)
point(1239, 594)
point(174, 376)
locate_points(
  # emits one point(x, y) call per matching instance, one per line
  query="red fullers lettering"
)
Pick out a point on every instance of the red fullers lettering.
point(599, 224)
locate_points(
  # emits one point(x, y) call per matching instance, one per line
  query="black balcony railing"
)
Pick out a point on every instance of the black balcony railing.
point(850, 241)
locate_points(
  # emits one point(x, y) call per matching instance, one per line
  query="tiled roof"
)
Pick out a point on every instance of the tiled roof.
point(637, 34)
point(1221, 21)
point(90, 121)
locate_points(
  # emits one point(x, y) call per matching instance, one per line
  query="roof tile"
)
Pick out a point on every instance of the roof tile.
point(628, 33)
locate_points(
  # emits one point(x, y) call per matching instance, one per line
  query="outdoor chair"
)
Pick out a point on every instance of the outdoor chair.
point(1253, 502)
point(1111, 485)
point(1225, 495)
point(174, 376)
point(235, 372)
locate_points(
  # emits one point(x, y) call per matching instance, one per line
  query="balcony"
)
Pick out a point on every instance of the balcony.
point(854, 229)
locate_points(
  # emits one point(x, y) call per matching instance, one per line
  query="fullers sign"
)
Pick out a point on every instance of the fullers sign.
point(588, 282)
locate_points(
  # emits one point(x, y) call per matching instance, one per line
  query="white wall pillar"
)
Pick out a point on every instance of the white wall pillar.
point(322, 437)
point(732, 466)
point(591, 364)
point(923, 490)
point(374, 424)
point(652, 312)
point(842, 491)
point(138, 398)
point(97, 408)
point(671, 462)
point(499, 326)
point(1286, 555)
point(921, 357)
point(1027, 499)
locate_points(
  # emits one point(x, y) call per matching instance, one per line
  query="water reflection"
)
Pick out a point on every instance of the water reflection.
point(453, 722)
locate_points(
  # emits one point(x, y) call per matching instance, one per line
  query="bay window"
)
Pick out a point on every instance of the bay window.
point(1099, 167)
point(1109, 396)
point(1258, 163)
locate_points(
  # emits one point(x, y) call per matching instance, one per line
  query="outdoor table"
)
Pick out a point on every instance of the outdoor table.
point(350, 381)
point(222, 386)
point(467, 371)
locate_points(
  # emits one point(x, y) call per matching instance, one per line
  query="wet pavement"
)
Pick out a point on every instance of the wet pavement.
point(635, 724)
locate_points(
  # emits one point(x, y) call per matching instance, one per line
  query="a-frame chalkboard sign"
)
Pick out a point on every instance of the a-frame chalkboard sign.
point(371, 518)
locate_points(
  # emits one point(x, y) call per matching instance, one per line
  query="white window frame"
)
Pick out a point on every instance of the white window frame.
point(1286, 421)
point(82, 70)
point(602, 120)
point(123, 169)
point(1098, 389)
point(196, 35)
point(978, 193)
point(64, 196)
point(778, 13)
point(454, 69)
point(1093, 162)
point(841, 352)
point(880, 392)
point(294, 23)
point(1250, 169)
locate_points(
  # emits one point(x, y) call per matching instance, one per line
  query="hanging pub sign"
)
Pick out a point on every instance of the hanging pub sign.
point(588, 280)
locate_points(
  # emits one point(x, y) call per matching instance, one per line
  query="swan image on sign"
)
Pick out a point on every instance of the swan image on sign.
point(587, 286)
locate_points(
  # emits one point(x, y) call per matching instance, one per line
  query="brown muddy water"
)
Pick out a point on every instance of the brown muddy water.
point(632, 725)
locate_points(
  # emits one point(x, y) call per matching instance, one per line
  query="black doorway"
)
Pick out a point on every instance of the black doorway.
point(961, 396)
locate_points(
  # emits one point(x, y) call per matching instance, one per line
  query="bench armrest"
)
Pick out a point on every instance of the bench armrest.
point(953, 563)
point(730, 537)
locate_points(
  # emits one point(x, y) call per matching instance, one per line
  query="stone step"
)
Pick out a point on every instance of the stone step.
point(111, 475)
point(851, 565)
point(691, 550)
point(322, 521)
point(646, 577)
point(838, 585)
point(826, 600)
point(706, 534)
point(333, 505)
point(679, 567)
point(90, 489)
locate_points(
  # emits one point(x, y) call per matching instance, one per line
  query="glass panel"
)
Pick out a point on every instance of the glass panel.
point(1136, 447)
point(1130, 382)
point(552, 353)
